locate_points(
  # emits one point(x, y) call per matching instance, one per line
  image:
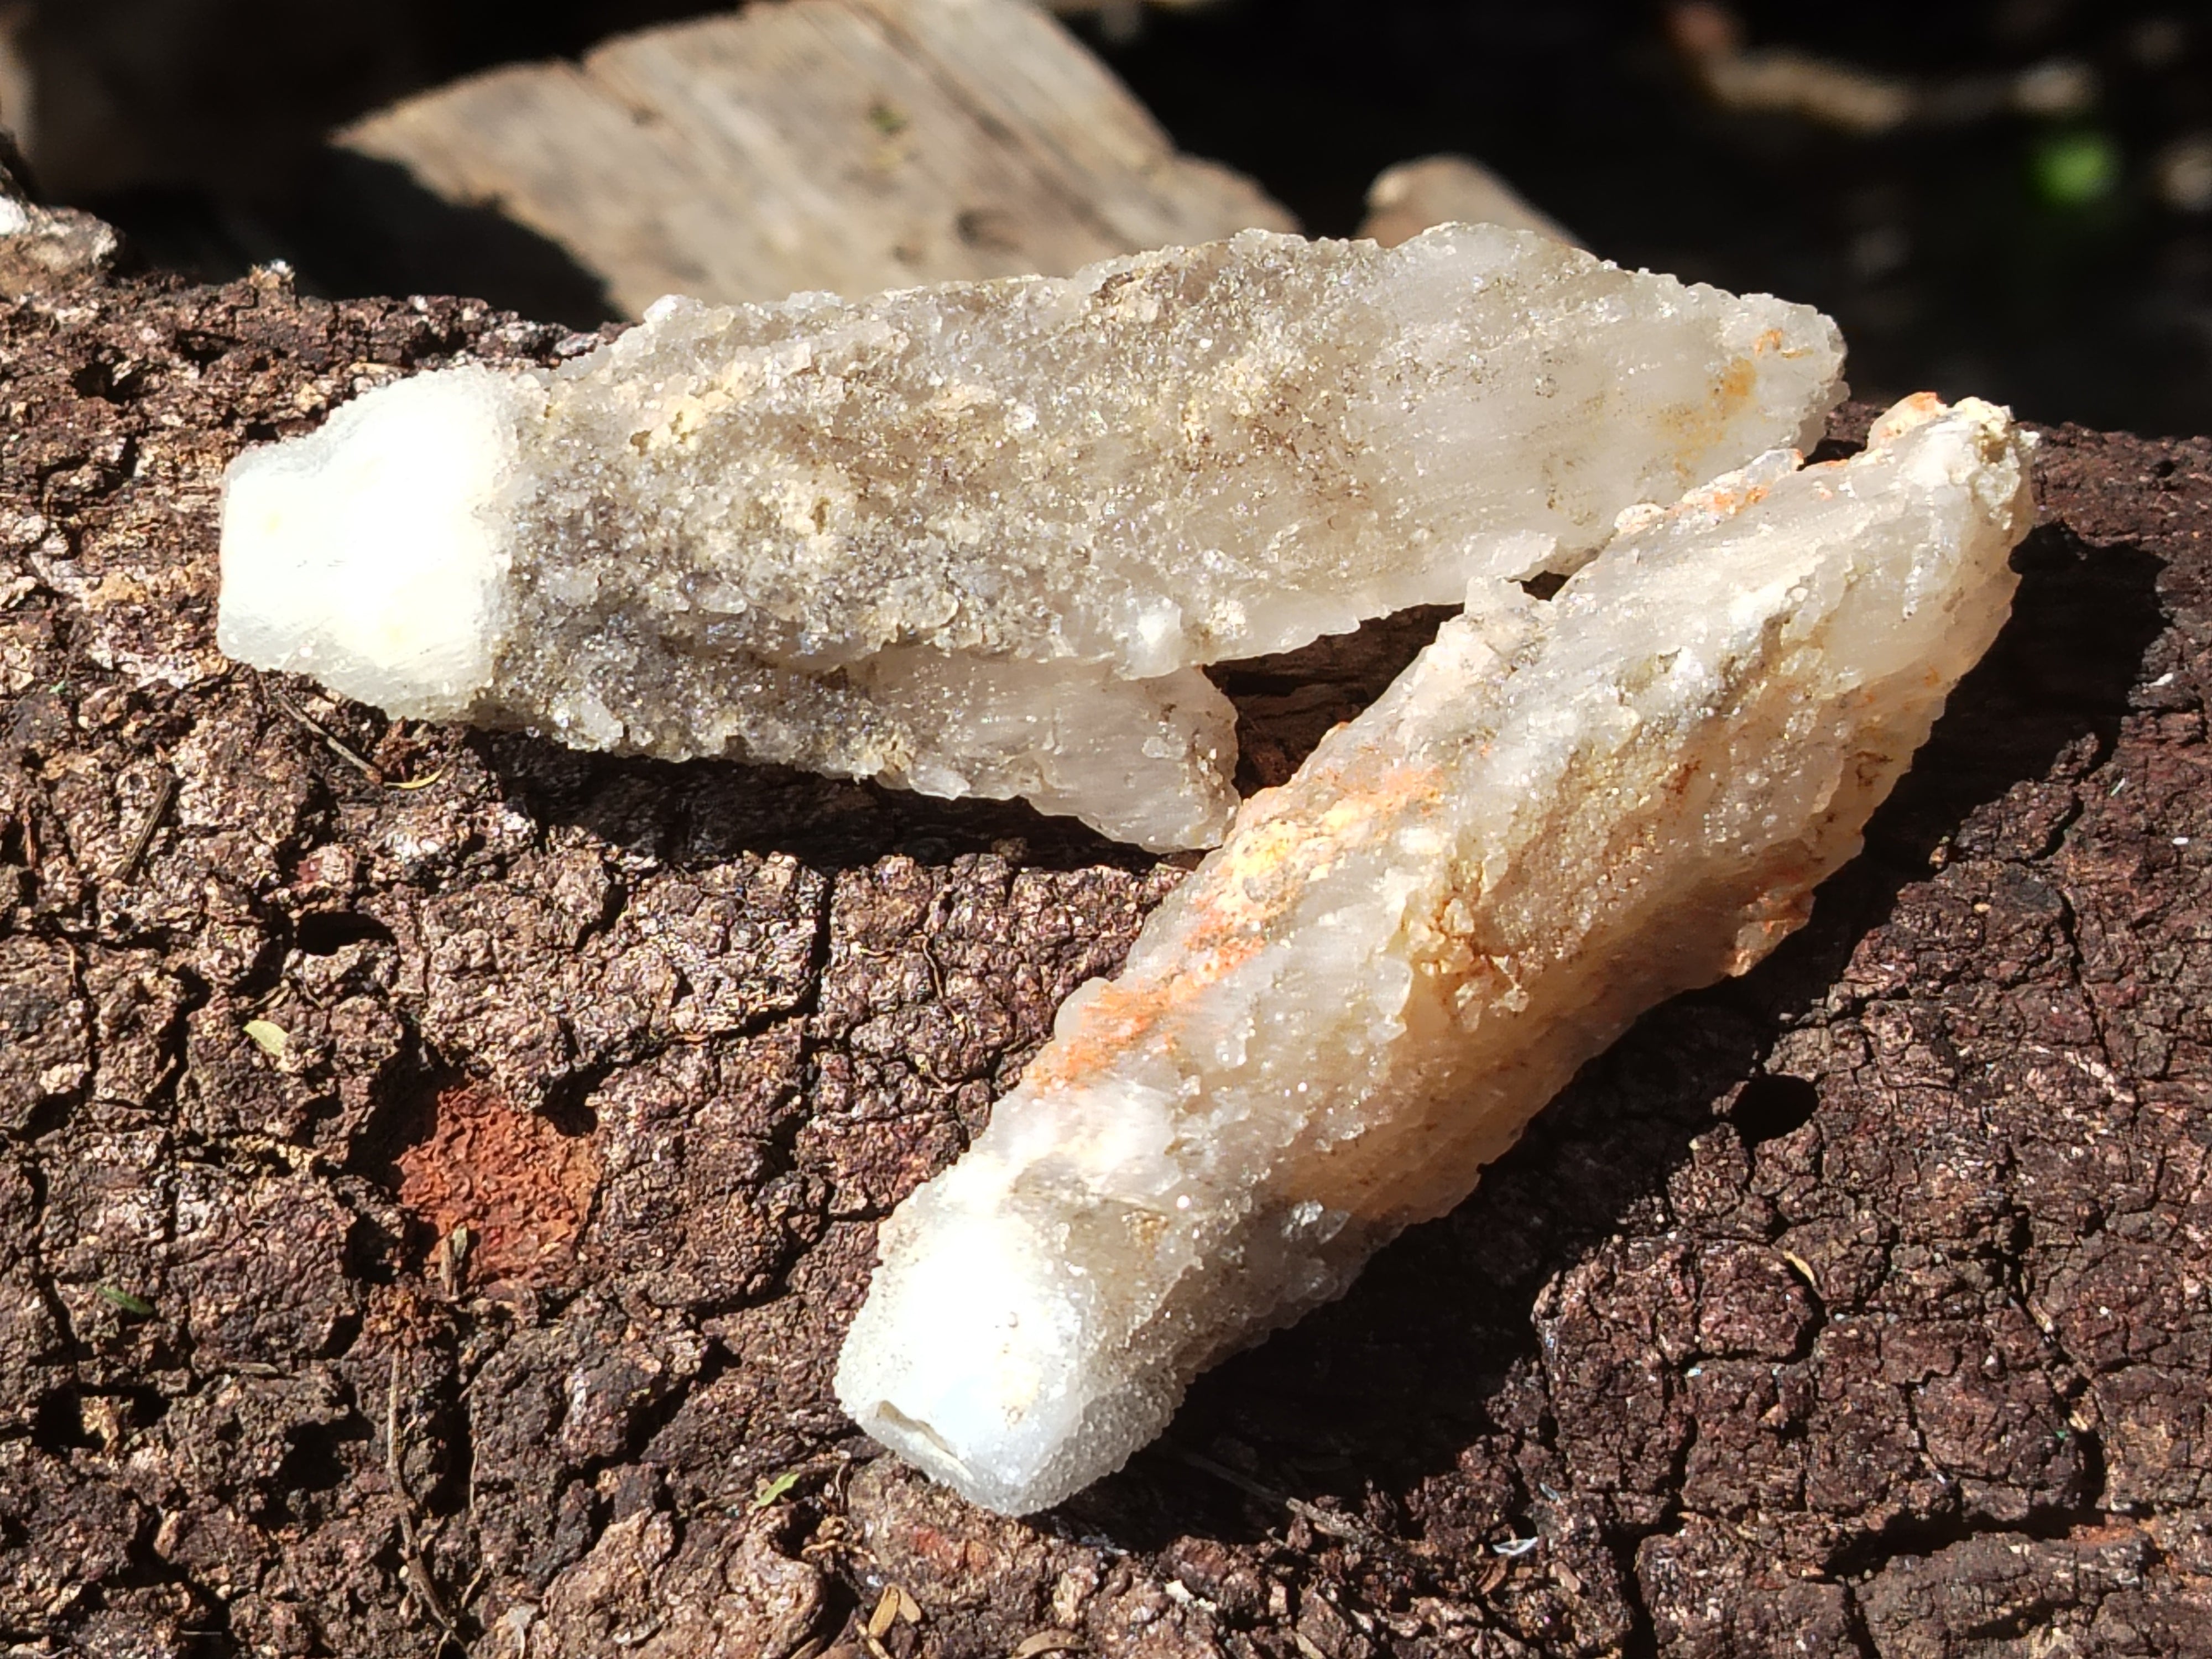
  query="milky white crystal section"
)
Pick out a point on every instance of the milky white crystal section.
point(368, 553)
point(1559, 815)
point(978, 539)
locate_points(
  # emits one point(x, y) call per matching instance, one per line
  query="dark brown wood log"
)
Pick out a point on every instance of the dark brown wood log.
point(435, 1169)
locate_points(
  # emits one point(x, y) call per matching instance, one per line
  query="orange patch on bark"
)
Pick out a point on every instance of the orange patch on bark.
point(522, 1188)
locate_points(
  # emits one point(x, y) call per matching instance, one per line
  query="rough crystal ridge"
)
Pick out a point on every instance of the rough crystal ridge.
point(978, 538)
point(1559, 815)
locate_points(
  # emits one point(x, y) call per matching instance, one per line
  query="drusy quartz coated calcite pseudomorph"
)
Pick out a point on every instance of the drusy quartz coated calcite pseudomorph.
point(978, 539)
point(1561, 814)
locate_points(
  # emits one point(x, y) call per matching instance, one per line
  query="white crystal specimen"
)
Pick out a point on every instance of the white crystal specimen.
point(978, 539)
point(1559, 815)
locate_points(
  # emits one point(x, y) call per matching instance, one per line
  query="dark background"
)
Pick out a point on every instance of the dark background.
point(2058, 257)
point(1962, 254)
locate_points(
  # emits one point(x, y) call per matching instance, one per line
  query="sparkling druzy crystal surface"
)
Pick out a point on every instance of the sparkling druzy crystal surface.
point(1559, 815)
point(978, 539)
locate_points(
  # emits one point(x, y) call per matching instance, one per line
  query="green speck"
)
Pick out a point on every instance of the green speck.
point(267, 1036)
point(769, 1491)
point(887, 118)
point(2074, 169)
point(138, 1306)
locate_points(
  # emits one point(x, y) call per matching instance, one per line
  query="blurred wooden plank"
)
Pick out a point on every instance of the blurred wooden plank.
point(544, 146)
point(850, 145)
point(1027, 76)
point(1443, 189)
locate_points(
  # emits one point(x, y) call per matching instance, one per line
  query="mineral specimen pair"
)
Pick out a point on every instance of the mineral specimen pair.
point(978, 539)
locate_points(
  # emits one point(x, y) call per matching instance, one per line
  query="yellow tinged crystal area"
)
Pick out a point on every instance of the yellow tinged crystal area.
point(1561, 814)
point(980, 538)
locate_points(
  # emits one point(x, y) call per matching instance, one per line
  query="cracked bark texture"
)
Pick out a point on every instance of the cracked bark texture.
point(487, 1291)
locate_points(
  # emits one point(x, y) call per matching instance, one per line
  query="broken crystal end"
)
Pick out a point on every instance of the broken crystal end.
point(996, 1395)
point(365, 555)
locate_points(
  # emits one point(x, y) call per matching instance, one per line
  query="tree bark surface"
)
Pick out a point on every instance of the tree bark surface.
point(437, 1169)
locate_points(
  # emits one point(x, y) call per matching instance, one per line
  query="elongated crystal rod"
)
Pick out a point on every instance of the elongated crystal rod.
point(980, 538)
point(1559, 815)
